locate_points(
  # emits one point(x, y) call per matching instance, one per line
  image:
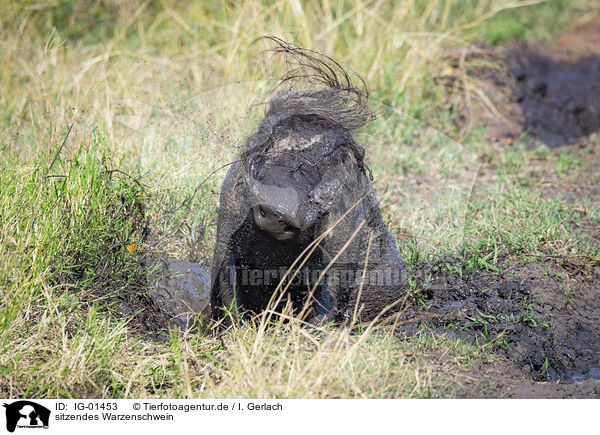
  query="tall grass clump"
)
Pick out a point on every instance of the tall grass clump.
point(67, 278)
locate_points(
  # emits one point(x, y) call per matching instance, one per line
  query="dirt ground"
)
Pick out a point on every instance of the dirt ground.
point(550, 91)
point(548, 343)
point(542, 318)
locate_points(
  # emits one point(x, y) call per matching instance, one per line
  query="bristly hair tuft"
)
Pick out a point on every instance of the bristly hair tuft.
point(332, 94)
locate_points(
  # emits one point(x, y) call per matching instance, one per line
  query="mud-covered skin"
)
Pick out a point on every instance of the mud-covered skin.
point(260, 252)
point(300, 176)
point(255, 246)
point(278, 225)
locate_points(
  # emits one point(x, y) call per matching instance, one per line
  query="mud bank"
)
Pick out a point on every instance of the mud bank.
point(542, 318)
point(549, 92)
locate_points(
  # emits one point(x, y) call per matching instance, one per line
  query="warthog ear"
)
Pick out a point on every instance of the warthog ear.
point(328, 192)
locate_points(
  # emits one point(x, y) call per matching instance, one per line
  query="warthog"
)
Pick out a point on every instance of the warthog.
point(300, 196)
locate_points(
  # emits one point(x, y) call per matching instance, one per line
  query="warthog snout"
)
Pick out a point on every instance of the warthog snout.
point(280, 196)
point(279, 225)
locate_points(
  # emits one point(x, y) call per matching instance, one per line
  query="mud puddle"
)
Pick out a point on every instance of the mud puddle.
point(558, 92)
point(593, 373)
point(550, 92)
point(542, 318)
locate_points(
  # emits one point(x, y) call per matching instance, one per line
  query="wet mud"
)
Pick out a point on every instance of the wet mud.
point(559, 95)
point(181, 290)
point(542, 318)
point(549, 92)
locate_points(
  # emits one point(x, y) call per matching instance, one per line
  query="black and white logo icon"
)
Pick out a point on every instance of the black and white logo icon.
point(26, 414)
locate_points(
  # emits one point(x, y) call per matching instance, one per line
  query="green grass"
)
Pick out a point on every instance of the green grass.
point(65, 267)
point(141, 82)
point(539, 21)
point(566, 163)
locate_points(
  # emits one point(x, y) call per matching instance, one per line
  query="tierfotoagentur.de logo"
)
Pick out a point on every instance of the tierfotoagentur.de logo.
point(24, 414)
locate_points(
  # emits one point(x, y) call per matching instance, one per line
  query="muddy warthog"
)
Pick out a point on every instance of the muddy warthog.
point(298, 220)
